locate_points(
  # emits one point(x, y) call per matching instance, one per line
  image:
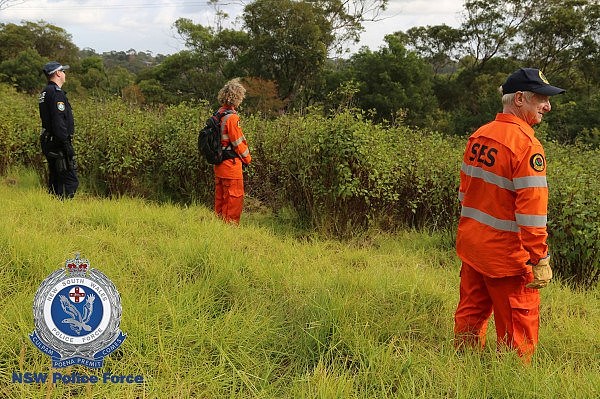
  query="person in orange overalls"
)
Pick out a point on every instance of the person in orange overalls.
point(501, 237)
point(229, 182)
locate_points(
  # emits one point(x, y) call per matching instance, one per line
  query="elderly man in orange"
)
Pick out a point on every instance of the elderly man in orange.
point(502, 233)
point(229, 182)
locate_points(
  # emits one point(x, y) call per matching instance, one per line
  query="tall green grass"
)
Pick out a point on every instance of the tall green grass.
point(265, 311)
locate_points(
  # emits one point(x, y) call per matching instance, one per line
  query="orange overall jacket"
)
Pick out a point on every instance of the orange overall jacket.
point(504, 197)
point(231, 133)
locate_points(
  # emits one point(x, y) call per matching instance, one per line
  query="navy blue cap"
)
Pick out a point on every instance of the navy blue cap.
point(52, 67)
point(530, 79)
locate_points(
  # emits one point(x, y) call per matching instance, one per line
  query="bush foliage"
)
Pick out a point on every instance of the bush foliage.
point(342, 172)
point(339, 173)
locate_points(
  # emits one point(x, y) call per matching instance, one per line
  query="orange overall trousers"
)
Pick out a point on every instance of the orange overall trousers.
point(515, 308)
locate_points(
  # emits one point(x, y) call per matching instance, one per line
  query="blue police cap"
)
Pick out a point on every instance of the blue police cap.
point(530, 79)
point(54, 66)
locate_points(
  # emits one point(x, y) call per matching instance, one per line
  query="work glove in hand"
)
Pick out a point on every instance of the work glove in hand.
point(542, 274)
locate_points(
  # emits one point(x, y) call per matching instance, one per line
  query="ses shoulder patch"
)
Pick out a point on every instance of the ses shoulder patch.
point(60, 105)
point(537, 162)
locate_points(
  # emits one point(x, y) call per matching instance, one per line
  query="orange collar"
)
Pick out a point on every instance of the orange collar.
point(509, 118)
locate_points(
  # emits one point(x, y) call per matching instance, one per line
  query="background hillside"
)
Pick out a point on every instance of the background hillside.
point(289, 315)
point(291, 56)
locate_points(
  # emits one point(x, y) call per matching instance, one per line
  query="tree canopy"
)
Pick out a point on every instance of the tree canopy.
point(290, 54)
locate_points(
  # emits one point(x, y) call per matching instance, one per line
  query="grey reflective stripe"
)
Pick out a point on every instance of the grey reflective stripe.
point(461, 196)
point(245, 153)
point(530, 181)
point(224, 118)
point(488, 220)
point(489, 177)
point(238, 141)
point(531, 220)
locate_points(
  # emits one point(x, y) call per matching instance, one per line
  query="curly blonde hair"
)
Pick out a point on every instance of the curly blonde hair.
point(233, 93)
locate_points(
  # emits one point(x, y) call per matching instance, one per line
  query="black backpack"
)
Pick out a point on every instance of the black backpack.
point(209, 140)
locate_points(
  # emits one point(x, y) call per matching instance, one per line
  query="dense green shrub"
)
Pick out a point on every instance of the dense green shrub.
point(574, 212)
point(142, 152)
point(576, 121)
point(342, 172)
point(178, 168)
point(339, 173)
point(19, 130)
point(115, 144)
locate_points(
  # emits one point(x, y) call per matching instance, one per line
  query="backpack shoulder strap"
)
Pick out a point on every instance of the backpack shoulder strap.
point(224, 116)
point(226, 112)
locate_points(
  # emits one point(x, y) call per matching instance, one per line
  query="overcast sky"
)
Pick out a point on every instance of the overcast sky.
point(147, 25)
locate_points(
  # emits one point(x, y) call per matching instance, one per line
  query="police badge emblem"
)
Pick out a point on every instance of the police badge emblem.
point(537, 162)
point(77, 313)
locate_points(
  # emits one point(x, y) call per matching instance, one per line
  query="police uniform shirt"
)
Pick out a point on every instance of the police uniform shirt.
point(57, 117)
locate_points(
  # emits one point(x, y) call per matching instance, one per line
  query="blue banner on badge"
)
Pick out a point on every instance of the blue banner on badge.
point(77, 313)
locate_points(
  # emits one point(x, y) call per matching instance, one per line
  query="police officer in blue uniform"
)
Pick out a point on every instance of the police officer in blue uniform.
point(57, 133)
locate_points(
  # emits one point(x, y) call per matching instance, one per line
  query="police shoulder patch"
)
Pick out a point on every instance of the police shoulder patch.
point(537, 162)
point(60, 105)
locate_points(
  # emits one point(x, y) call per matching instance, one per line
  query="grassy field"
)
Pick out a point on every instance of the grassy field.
point(268, 311)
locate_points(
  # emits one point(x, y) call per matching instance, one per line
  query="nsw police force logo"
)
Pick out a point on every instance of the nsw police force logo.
point(77, 313)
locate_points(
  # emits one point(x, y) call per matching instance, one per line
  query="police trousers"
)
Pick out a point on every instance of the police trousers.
point(61, 182)
point(515, 308)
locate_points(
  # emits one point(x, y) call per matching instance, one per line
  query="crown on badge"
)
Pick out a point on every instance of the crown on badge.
point(77, 267)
